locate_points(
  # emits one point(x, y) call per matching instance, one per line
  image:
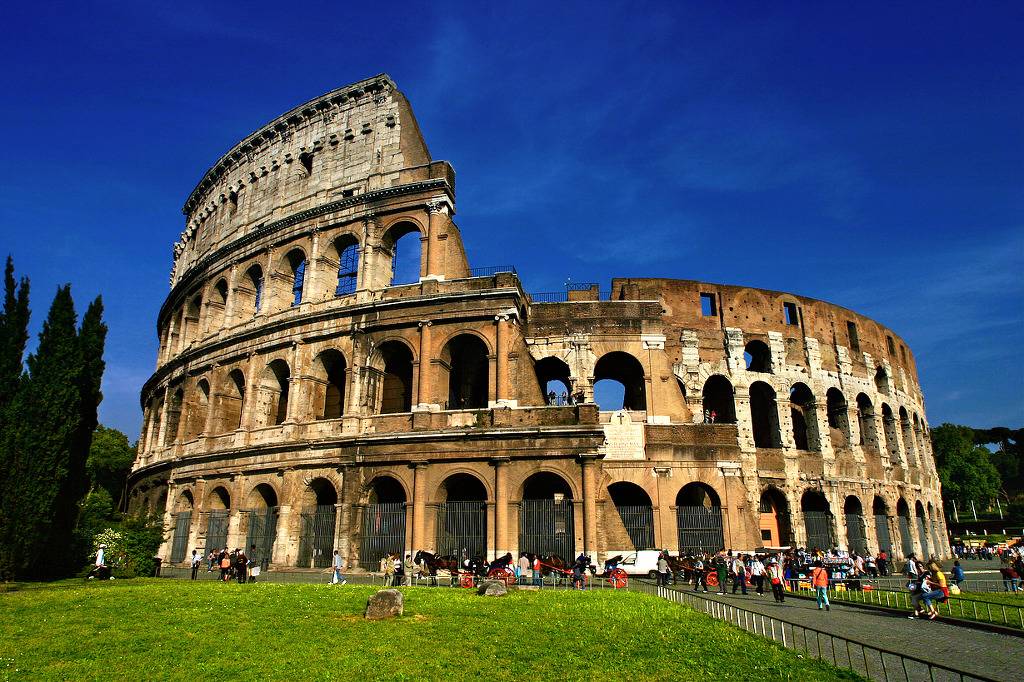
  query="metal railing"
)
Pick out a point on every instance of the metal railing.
point(563, 296)
point(488, 270)
point(967, 609)
point(868, 660)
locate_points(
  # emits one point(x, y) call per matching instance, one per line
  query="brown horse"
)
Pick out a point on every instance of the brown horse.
point(435, 563)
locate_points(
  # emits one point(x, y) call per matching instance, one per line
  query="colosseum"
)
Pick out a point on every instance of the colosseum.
point(332, 374)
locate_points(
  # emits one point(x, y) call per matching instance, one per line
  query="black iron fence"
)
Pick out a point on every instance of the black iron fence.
point(856, 534)
point(462, 526)
point(820, 529)
point(316, 536)
point(547, 527)
point(262, 531)
point(217, 530)
point(488, 270)
point(639, 523)
point(383, 533)
point(179, 543)
point(700, 529)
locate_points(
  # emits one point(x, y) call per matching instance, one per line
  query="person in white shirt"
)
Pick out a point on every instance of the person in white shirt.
point(757, 574)
point(197, 559)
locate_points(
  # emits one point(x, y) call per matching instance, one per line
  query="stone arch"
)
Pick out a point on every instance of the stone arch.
point(880, 510)
point(804, 416)
point(384, 518)
point(232, 399)
point(216, 305)
point(272, 394)
point(922, 530)
point(249, 292)
point(636, 512)
point(856, 528)
point(330, 372)
point(775, 526)
point(199, 408)
point(818, 520)
point(866, 421)
point(174, 408)
point(891, 433)
point(553, 374)
point(719, 400)
point(386, 488)
point(908, 437)
point(465, 370)
point(317, 519)
point(838, 418)
point(261, 496)
point(903, 519)
point(184, 501)
point(291, 277)
point(396, 242)
point(389, 380)
point(462, 486)
point(545, 484)
point(462, 516)
point(624, 369)
point(881, 380)
point(190, 318)
point(346, 253)
point(218, 499)
point(757, 356)
point(547, 519)
point(764, 416)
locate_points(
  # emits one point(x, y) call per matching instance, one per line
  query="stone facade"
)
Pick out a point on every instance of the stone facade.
point(303, 402)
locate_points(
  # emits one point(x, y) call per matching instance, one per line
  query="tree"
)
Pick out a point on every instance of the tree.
point(110, 460)
point(965, 469)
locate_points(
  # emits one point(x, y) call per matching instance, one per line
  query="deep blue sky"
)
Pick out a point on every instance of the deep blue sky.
point(868, 155)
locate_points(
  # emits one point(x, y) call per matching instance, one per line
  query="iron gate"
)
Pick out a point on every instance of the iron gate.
point(700, 529)
point(217, 530)
point(820, 530)
point(639, 523)
point(905, 539)
point(383, 533)
point(882, 533)
point(462, 526)
point(922, 533)
point(262, 531)
point(547, 527)
point(182, 523)
point(856, 535)
point(316, 536)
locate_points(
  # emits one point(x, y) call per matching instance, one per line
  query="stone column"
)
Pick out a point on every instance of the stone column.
point(501, 541)
point(311, 289)
point(419, 506)
point(501, 361)
point(251, 395)
point(162, 431)
point(229, 304)
point(437, 215)
point(210, 406)
point(423, 383)
point(589, 505)
point(784, 408)
point(824, 431)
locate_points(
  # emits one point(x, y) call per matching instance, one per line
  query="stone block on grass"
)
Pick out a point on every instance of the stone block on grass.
point(492, 588)
point(385, 604)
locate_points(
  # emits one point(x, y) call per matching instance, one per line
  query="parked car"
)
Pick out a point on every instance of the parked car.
point(644, 562)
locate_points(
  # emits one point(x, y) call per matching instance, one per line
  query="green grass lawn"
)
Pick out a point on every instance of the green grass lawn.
point(146, 629)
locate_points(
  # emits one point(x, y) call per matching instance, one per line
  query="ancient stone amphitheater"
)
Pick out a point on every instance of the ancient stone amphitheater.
point(314, 391)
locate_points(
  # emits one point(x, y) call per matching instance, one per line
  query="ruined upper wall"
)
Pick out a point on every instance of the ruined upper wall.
point(345, 143)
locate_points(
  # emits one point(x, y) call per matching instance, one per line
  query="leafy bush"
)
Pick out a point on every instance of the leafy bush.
point(131, 544)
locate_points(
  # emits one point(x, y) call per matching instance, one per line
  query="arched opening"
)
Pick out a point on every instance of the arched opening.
point(464, 362)
point(774, 519)
point(218, 503)
point(198, 410)
point(699, 519)
point(462, 517)
point(838, 418)
point(818, 522)
point(329, 367)
point(546, 520)
point(764, 416)
point(317, 523)
point(231, 401)
point(553, 379)
point(390, 378)
point(922, 530)
point(856, 529)
point(881, 513)
point(803, 413)
point(293, 271)
point(881, 380)
point(903, 517)
point(866, 421)
point(261, 530)
point(403, 245)
point(272, 399)
point(249, 293)
point(718, 399)
point(216, 306)
point(619, 382)
point(383, 522)
point(190, 319)
point(908, 437)
point(758, 357)
point(346, 250)
point(891, 434)
point(174, 408)
point(636, 512)
point(181, 523)
point(933, 527)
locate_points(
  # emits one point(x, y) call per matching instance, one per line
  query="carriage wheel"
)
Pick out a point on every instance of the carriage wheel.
point(505, 573)
point(618, 578)
point(712, 579)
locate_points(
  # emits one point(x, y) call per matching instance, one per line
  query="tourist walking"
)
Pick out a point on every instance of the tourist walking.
point(525, 569)
point(338, 564)
point(739, 574)
point(197, 560)
point(241, 566)
point(662, 570)
point(883, 563)
point(224, 561)
point(721, 572)
point(700, 578)
point(757, 575)
point(408, 568)
point(819, 580)
point(775, 577)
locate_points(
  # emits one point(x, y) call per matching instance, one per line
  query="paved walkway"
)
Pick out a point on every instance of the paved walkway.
point(971, 651)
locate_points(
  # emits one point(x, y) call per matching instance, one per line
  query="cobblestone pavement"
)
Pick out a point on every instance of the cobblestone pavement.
point(971, 651)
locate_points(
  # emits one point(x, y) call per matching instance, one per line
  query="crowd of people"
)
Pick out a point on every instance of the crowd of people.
point(233, 564)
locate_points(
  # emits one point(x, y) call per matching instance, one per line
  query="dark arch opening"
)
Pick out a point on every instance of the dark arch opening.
point(295, 260)
point(274, 386)
point(330, 367)
point(633, 505)
point(774, 519)
point(395, 378)
point(818, 522)
point(317, 519)
point(464, 488)
point(174, 416)
point(231, 401)
point(804, 417)
point(880, 510)
point(758, 357)
point(462, 517)
point(218, 503)
point(764, 416)
point(386, 490)
point(321, 493)
point(253, 297)
point(546, 519)
point(866, 422)
point(468, 369)
point(718, 399)
point(838, 418)
point(553, 377)
point(625, 370)
point(699, 519)
point(856, 529)
point(628, 494)
point(219, 499)
point(545, 485)
point(198, 409)
point(262, 497)
point(403, 241)
point(346, 249)
point(881, 381)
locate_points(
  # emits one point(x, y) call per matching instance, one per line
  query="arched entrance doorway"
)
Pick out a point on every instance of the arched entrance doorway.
point(903, 516)
point(881, 512)
point(219, 503)
point(922, 531)
point(774, 523)
point(636, 511)
point(317, 518)
point(818, 522)
point(546, 521)
point(262, 524)
point(856, 531)
point(465, 358)
point(383, 522)
point(462, 517)
point(182, 523)
point(699, 519)
point(618, 373)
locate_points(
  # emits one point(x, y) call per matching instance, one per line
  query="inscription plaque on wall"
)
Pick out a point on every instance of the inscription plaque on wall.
point(624, 438)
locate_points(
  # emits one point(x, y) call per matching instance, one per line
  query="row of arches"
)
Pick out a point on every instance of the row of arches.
point(285, 282)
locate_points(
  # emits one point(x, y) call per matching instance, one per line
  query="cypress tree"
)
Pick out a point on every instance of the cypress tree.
point(13, 337)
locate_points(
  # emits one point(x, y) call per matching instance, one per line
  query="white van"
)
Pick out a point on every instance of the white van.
point(644, 562)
